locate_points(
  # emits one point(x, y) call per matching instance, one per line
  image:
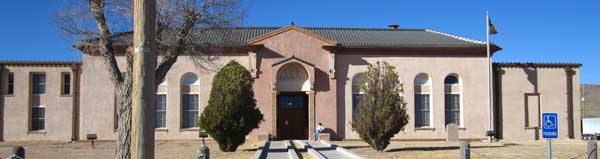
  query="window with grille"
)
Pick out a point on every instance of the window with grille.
point(66, 84)
point(38, 84)
point(37, 118)
point(189, 111)
point(161, 111)
point(355, 100)
point(422, 118)
point(452, 108)
point(11, 83)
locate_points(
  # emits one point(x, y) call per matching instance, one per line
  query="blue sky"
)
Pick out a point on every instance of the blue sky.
point(530, 31)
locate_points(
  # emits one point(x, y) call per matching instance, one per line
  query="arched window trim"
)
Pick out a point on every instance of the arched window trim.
point(428, 84)
point(460, 94)
point(356, 92)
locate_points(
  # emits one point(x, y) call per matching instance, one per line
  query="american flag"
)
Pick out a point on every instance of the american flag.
point(492, 28)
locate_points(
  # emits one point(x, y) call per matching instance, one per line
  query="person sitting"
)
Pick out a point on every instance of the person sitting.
point(319, 129)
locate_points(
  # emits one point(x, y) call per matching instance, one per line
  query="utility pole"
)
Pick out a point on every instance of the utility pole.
point(143, 93)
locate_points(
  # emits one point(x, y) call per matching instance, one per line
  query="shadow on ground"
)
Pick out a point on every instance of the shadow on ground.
point(448, 148)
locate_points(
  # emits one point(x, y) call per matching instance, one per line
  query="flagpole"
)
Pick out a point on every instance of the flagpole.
point(489, 75)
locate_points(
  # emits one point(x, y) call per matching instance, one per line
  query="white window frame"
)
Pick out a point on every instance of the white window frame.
point(460, 98)
point(32, 83)
point(166, 108)
point(430, 109)
point(31, 117)
point(429, 92)
point(181, 112)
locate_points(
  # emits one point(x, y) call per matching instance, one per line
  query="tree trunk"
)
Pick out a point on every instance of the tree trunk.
point(123, 93)
point(143, 92)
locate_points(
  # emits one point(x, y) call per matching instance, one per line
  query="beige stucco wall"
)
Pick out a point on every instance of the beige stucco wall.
point(552, 87)
point(97, 98)
point(470, 70)
point(58, 108)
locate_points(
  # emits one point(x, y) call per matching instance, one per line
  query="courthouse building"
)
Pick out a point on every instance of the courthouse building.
point(303, 76)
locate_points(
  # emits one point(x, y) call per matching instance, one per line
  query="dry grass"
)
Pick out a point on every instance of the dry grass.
point(443, 150)
point(105, 150)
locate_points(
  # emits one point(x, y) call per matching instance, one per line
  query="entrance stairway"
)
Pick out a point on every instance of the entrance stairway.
point(317, 149)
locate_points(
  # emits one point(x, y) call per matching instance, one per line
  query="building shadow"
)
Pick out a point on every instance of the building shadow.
point(342, 78)
point(443, 148)
point(354, 147)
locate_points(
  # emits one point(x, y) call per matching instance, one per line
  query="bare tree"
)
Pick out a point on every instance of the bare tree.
point(94, 24)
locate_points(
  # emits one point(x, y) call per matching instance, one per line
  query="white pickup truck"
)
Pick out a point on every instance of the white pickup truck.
point(591, 128)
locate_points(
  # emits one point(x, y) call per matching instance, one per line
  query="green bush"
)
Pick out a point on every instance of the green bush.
point(231, 113)
point(381, 112)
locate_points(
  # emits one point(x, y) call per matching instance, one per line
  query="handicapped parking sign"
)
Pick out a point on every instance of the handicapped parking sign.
point(550, 125)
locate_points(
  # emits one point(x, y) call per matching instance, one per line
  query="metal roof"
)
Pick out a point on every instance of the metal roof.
point(342, 36)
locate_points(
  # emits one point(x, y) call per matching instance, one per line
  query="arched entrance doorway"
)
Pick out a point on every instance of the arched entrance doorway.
point(292, 102)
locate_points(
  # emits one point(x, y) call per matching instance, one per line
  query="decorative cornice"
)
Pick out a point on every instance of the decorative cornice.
point(41, 63)
point(541, 65)
point(408, 50)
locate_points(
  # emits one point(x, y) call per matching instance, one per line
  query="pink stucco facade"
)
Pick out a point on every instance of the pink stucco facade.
point(293, 60)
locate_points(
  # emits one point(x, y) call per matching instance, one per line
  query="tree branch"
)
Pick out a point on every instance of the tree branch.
point(191, 17)
point(105, 43)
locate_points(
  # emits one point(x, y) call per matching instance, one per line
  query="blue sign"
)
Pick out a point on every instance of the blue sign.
point(550, 125)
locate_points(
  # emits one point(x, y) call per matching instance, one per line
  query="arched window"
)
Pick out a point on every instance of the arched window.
point(189, 101)
point(190, 79)
point(357, 92)
point(451, 79)
point(452, 102)
point(422, 79)
point(164, 82)
point(422, 101)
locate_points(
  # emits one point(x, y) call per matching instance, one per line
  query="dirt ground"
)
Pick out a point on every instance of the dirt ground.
point(105, 150)
point(562, 149)
point(397, 149)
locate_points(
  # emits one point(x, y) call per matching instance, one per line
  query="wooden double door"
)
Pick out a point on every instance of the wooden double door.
point(292, 116)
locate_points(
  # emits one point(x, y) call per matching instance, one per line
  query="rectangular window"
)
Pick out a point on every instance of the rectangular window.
point(161, 111)
point(37, 118)
point(66, 83)
point(452, 108)
point(38, 83)
point(355, 101)
point(189, 111)
point(422, 110)
point(11, 84)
